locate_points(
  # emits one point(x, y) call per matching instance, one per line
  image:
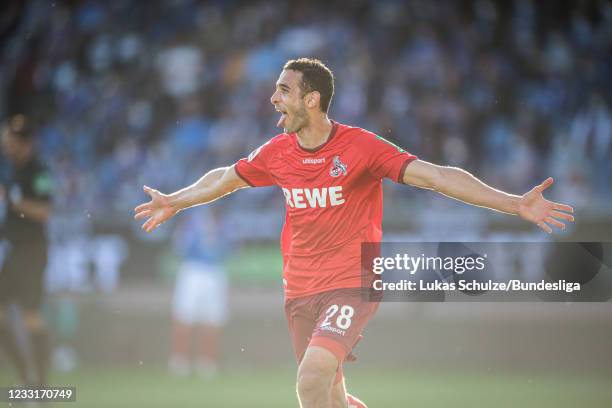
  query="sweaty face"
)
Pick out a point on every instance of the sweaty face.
point(289, 101)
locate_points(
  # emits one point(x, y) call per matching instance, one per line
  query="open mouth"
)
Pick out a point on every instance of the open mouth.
point(282, 119)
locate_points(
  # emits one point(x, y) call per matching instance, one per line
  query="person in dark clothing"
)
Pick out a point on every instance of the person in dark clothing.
point(25, 195)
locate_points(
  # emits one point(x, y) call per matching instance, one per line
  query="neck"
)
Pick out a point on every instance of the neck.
point(316, 133)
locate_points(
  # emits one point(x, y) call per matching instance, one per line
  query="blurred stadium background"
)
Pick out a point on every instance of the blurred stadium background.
point(125, 93)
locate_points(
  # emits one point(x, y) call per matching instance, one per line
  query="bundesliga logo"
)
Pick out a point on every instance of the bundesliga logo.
point(338, 169)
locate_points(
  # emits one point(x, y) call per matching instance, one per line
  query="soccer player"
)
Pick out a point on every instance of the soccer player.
point(26, 194)
point(200, 295)
point(331, 177)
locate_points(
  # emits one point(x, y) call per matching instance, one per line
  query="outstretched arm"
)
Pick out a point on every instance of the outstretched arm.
point(461, 185)
point(213, 185)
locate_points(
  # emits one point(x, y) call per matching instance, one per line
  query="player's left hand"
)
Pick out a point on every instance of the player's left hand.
point(534, 208)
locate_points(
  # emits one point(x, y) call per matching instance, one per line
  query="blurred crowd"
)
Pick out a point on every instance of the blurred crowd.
point(126, 93)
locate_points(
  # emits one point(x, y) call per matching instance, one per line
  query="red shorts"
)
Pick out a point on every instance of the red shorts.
point(333, 320)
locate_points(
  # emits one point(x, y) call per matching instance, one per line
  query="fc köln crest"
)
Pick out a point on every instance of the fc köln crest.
point(338, 168)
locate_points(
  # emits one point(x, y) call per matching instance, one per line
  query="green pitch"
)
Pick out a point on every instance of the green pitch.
point(152, 388)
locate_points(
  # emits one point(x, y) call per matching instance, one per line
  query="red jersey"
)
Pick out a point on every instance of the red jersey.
point(333, 200)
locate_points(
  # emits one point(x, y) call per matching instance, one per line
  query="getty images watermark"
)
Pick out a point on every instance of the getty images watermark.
point(460, 271)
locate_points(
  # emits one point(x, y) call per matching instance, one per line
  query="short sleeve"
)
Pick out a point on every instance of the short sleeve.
point(385, 159)
point(254, 170)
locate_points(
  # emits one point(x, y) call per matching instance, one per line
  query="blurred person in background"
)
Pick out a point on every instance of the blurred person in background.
point(200, 299)
point(26, 193)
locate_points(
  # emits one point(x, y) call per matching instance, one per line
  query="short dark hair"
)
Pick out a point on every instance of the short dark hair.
point(315, 77)
point(19, 127)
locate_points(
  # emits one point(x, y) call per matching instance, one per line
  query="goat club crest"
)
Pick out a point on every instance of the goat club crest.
point(338, 168)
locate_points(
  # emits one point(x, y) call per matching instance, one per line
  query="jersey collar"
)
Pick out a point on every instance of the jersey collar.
point(332, 133)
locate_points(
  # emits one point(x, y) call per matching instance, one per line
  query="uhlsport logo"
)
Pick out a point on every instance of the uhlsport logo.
point(338, 169)
point(317, 160)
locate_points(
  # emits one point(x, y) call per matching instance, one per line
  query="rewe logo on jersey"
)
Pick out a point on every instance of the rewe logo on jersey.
point(314, 197)
point(338, 169)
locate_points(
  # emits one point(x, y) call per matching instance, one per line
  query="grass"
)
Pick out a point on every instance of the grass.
point(152, 388)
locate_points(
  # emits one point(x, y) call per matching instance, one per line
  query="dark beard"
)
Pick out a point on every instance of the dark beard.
point(301, 117)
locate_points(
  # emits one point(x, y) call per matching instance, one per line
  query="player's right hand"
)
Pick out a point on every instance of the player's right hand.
point(158, 210)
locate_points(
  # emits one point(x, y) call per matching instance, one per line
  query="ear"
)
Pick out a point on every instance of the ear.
point(312, 99)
